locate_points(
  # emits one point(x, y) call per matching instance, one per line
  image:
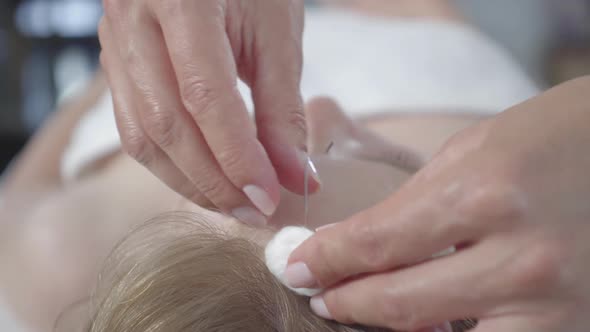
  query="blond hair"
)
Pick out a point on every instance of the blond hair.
point(179, 273)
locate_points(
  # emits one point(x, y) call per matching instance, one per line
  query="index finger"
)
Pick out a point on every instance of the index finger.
point(407, 228)
point(204, 64)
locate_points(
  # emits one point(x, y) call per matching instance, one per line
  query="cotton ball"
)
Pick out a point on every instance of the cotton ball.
point(281, 246)
point(279, 249)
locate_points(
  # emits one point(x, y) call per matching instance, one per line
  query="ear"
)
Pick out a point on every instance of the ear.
point(327, 124)
point(331, 129)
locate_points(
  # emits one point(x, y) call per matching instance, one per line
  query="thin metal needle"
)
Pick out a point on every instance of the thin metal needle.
point(306, 190)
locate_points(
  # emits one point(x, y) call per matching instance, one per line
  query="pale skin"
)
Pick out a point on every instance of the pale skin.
point(55, 236)
point(184, 118)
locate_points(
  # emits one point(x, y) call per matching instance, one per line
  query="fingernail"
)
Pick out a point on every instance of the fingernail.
point(308, 163)
point(261, 199)
point(298, 275)
point(442, 329)
point(445, 252)
point(446, 327)
point(325, 226)
point(318, 306)
point(249, 215)
point(313, 171)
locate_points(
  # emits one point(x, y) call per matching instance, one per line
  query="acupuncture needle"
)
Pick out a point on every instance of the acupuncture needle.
point(306, 169)
point(306, 190)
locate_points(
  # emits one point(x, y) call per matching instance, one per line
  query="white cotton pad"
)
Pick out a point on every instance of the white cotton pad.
point(279, 249)
point(281, 246)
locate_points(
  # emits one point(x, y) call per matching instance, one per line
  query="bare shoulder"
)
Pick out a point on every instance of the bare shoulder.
point(46, 256)
point(53, 244)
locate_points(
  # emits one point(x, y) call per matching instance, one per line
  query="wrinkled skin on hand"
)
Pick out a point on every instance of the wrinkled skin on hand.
point(512, 193)
point(173, 68)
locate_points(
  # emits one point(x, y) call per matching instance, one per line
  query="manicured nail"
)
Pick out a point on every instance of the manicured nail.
point(261, 199)
point(325, 226)
point(318, 306)
point(445, 252)
point(446, 327)
point(308, 163)
point(313, 171)
point(249, 215)
point(298, 275)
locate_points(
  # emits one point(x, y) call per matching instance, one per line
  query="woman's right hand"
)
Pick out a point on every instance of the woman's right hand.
point(173, 67)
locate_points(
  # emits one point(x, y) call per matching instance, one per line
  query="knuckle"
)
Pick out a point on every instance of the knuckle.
point(198, 97)
point(201, 201)
point(327, 271)
point(338, 308)
point(137, 146)
point(230, 158)
point(161, 127)
point(490, 199)
point(213, 188)
point(189, 191)
point(293, 118)
point(371, 250)
point(397, 315)
point(296, 120)
point(465, 140)
point(539, 268)
point(131, 56)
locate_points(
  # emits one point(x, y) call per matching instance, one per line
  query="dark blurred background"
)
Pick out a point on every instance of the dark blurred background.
point(48, 50)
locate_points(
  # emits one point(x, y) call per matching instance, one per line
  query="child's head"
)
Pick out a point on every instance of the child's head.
point(206, 272)
point(180, 274)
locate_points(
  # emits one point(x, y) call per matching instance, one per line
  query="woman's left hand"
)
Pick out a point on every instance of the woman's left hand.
point(512, 194)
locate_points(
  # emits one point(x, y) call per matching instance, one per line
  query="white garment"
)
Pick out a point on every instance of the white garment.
point(8, 323)
point(368, 64)
point(95, 136)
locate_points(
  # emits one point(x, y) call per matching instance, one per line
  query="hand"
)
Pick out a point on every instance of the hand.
point(173, 69)
point(512, 194)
